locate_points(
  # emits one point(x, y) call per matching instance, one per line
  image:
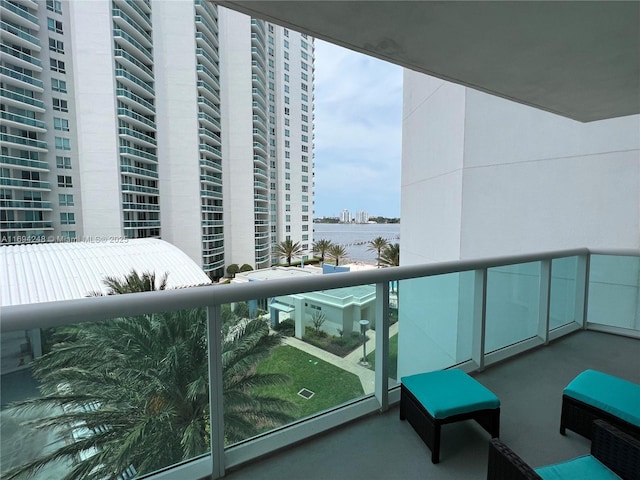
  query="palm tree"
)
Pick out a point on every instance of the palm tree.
point(337, 252)
point(377, 245)
point(321, 247)
point(288, 249)
point(390, 255)
point(391, 258)
point(134, 391)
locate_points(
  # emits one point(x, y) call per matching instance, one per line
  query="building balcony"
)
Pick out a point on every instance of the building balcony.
point(135, 153)
point(207, 41)
point(24, 142)
point(523, 325)
point(134, 83)
point(215, 165)
point(136, 119)
point(132, 63)
point(126, 41)
point(21, 101)
point(129, 25)
point(208, 148)
point(210, 60)
point(135, 136)
point(18, 37)
point(22, 59)
point(25, 205)
point(205, 103)
point(209, 121)
point(141, 17)
point(19, 15)
point(212, 27)
point(21, 80)
point(25, 162)
point(20, 121)
point(139, 172)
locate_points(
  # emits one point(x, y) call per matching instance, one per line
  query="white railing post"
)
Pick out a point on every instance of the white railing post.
point(382, 345)
point(544, 305)
point(479, 317)
point(582, 289)
point(216, 413)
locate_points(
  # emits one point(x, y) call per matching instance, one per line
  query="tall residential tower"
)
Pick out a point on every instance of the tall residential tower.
point(125, 118)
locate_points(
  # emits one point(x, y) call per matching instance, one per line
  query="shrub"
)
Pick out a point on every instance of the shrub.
point(246, 267)
point(233, 269)
point(286, 327)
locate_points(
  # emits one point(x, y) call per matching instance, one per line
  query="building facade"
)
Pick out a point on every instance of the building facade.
point(114, 125)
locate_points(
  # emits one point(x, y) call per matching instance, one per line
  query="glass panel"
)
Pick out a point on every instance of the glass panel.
point(115, 398)
point(436, 315)
point(317, 364)
point(513, 296)
point(614, 283)
point(392, 360)
point(562, 307)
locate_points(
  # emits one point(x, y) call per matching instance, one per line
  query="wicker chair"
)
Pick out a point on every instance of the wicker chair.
point(612, 447)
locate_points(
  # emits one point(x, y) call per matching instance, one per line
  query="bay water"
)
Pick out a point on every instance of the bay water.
point(355, 237)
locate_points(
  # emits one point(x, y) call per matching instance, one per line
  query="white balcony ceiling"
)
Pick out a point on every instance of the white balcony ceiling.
point(577, 59)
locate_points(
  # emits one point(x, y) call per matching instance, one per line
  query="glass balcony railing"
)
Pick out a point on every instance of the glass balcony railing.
point(22, 77)
point(31, 122)
point(19, 33)
point(220, 388)
point(39, 104)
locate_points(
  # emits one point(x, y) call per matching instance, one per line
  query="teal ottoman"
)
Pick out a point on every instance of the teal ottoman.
point(596, 395)
point(430, 400)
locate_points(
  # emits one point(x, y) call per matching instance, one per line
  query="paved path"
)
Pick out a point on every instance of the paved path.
point(350, 363)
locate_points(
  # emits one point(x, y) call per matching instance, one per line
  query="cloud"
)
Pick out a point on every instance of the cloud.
point(358, 131)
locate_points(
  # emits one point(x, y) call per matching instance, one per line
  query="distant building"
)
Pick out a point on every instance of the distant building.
point(362, 217)
point(345, 216)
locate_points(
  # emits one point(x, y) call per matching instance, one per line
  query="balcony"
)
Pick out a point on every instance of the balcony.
point(20, 37)
point(544, 313)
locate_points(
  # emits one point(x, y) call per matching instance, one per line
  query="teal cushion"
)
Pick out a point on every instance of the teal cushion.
point(616, 396)
point(581, 468)
point(449, 392)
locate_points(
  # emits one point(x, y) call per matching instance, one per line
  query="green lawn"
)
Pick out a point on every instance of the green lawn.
point(393, 357)
point(330, 384)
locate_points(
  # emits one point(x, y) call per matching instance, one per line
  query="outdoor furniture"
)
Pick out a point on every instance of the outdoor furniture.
point(614, 455)
point(593, 395)
point(430, 400)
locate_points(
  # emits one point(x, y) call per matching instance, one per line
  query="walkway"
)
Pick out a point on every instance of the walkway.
point(350, 363)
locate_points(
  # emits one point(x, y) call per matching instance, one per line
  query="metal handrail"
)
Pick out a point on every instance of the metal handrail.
point(64, 312)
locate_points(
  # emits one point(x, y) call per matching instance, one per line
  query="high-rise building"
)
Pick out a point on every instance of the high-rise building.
point(267, 137)
point(345, 216)
point(362, 216)
point(120, 128)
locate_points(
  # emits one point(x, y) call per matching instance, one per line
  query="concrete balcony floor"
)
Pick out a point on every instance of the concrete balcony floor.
point(530, 387)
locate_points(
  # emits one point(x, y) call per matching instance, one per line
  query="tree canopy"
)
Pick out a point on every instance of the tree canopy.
point(337, 252)
point(391, 255)
point(288, 249)
point(133, 392)
point(377, 245)
point(322, 247)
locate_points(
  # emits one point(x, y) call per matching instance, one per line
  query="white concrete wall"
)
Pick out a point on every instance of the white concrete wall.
point(535, 181)
point(483, 176)
point(96, 121)
point(432, 161)
point(177, 123)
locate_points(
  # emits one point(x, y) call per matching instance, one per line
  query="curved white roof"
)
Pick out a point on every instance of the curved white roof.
point(46, 272)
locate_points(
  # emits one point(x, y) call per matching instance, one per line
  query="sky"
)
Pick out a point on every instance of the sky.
point(358, 131)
